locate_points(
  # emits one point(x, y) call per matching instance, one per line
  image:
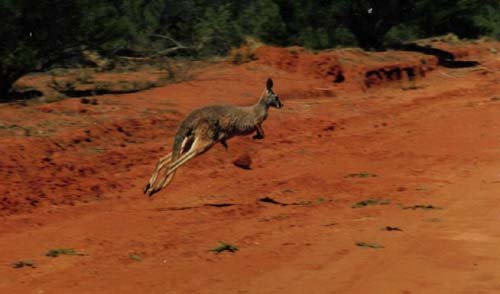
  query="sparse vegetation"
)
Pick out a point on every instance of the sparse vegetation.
point(24, 263)
point(369, 245)
point(63, 251)
point(370, 202)
point(361, 175)
point(224, 247)
point(135, 257)
point(420, 206)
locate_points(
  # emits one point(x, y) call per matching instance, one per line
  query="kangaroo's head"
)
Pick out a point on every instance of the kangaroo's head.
point(270, 98)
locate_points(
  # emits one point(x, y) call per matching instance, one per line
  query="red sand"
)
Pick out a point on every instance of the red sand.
point(76, 182)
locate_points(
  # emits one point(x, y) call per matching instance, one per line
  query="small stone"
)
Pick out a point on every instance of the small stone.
point(243, 161)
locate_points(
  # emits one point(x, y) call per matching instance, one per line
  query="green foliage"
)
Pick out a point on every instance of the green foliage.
point(313, 38)
point(465, 18)
point(488, 20)
point(401, 33)
point(262, 19)
point(140, 19)
point(36, 34)
point(217, 31)
point(342, 37)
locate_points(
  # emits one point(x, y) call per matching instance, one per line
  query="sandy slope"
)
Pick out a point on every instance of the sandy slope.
point(434, 143)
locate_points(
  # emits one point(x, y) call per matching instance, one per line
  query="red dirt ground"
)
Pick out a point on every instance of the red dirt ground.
point(73, 177)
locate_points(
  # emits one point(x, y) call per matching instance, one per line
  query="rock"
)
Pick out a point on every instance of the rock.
point(244, 161)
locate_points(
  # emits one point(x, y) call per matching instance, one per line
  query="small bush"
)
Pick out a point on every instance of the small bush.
point(224, 247)
point(400, 34)
point(343, 37)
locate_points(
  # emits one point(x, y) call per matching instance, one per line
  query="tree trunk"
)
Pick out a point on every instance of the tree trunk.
point(5, 87)
point(7, 80)
point(369, 39)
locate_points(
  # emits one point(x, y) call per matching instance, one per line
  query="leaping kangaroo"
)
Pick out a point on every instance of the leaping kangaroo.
point(207, 126)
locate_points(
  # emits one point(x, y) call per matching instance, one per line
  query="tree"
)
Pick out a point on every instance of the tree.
point(217, 31)
point(35, 34)
point(262, 19)
point(370, 20)
point(488, 20)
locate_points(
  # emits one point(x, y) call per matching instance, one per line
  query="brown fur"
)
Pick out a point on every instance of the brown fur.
point(204, 127)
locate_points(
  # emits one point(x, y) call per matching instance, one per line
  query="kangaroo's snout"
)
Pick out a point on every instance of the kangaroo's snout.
point(277, 103)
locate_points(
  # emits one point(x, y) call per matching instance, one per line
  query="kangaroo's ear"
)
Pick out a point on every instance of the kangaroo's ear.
point(269, 84)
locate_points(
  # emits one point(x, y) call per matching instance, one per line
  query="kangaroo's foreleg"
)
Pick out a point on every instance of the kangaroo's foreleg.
point(224, 143)
point(260, 132)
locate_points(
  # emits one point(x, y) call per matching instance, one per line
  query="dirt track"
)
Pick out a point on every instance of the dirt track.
point(433, 141)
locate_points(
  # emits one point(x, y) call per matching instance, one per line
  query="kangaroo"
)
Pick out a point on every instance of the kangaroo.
point(207, 126)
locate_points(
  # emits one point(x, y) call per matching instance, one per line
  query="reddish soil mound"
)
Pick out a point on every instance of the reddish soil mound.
point(349, 65)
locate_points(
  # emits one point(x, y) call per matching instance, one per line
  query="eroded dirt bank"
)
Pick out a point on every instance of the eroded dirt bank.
point(425, 149)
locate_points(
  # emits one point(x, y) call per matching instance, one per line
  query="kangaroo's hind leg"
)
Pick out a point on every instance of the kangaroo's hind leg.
point(200, 145)
point(161, 163)
point(163, 166)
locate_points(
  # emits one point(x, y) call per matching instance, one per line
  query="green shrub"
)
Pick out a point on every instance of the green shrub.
point(400, 34)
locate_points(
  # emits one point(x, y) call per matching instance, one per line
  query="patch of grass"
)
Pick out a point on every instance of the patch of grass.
point(63, 251)
point(361, 175)
point(23, 263)
point(369, 202)
point(369, 245)
point(135, 257)
point(224, 247)
point(420, 206)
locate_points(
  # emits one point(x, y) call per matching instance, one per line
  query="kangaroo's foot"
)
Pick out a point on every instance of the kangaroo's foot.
point(258, 137)
point(146, 188)
point(224, 143)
